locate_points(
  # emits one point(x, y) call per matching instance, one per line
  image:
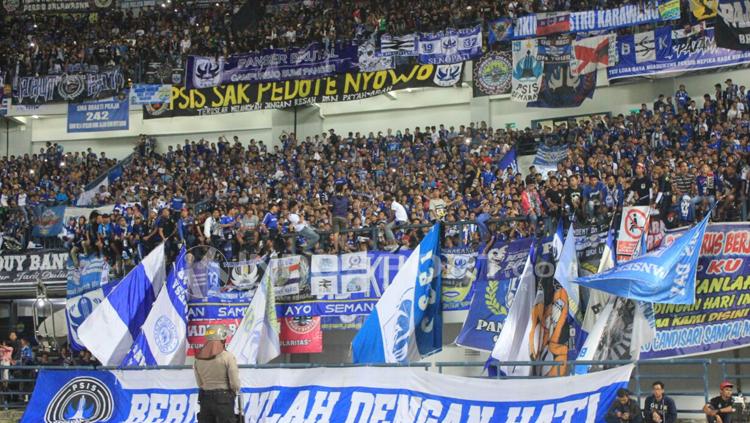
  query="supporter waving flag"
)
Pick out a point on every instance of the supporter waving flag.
point(406, 323)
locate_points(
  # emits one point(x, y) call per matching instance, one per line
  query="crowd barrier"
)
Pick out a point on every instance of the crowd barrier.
point(674, 373)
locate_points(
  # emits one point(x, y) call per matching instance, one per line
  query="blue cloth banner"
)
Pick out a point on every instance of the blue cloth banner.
point(596, 20)
point(719, 318)
point(272, 65)
point(150, 94)
point(48, 221)
point(547, 158)
point(450, 46)
point(665, 51)
point(665, 275)
point(500, 29)
point(325, 394)
point(509, 160)
point(102, 115)
point(88, 284)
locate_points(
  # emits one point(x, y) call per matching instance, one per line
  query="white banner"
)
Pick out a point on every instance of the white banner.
point(527, 71)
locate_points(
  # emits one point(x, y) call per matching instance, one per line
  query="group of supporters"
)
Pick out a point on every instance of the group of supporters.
point(681, 155)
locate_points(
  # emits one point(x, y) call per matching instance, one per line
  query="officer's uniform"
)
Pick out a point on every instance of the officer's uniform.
point(218, 378)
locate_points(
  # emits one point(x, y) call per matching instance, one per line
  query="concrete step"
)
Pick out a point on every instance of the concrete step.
point(10, 416)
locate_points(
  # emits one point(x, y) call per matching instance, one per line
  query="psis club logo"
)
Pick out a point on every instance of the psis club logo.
point(82, 400)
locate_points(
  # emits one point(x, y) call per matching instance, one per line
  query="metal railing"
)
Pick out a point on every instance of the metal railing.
point(18, 386)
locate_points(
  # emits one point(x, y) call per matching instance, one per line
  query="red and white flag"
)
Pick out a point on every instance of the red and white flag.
point(590, 54)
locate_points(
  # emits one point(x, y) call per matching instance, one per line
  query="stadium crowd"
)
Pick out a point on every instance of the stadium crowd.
point(44, 44)
point(681, 155)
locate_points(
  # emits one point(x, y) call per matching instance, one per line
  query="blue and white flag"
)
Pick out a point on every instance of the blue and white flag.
point(509, 160)
point(256, 340)
point(87, 286)
point(666, 275)
point(450, 46)
point(407, 321)
point(163, 337)
point(150, 94)
point(110, 330)
point(513, 342)
point(598, 299)
point(566, 271)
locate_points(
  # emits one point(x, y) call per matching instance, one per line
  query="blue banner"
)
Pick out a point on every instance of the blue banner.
point(150, 94)
point(666, 275)
point(459, 273)
point(272, 65)
point(88, 284)
point(500, 29)
point(596, 20)
point(665, 51)
point(548, 156)
point(720, 317)
point(102, 115)
point(450, 46)
point(325, 394)
point(48, 221)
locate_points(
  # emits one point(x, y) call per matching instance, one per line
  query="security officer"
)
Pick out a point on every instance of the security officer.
point(218, 378)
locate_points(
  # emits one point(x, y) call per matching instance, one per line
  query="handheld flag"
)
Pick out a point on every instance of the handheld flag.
point(256, 340)
point(513, 341)
point(163, 337)
point(509, 160)
point(406, 323)
point(666, 275)
point(566, 271)
point(110, 329)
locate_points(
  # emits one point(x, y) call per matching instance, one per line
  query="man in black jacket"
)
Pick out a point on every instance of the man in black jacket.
point(659, 408)
point(623, 409)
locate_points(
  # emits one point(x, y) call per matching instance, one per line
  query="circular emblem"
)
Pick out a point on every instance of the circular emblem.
point(156, 109)
point(493, 73)
point(635, 223)
point(302, 325)
point(82, 400)
point(165, 335)
point(71, 86)
point(103, 4)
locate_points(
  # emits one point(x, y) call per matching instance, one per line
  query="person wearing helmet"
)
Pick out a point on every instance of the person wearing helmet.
point(218, 378)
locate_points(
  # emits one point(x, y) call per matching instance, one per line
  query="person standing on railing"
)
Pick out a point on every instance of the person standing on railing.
point(658, 407)
point(217, 377)
point(721, 409)
point(623, 409)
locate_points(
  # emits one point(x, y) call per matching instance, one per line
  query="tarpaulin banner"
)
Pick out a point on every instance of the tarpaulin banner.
point(459, 274)
point(88, 284)
point(493, 74)
point(561, 86)
point(733, 24)
point(596, 20)
point(527, 71)
point(704, 9)
point(103, 115)
point(56, 6)
point(720, 318)
point(150, 93)
point(48, 221)
point(301, 335)
point(350, 395)
point(669, 9)
point(49, 266)
point(548, 156)
point(664, 51)
point(500, 29)
point(68, 87)
point(549, 23)
point(272, 65)
point(240, 97)
point(450, 46)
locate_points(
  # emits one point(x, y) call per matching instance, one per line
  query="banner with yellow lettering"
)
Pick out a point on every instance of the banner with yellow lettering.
point(720, 318)
point(239, 97)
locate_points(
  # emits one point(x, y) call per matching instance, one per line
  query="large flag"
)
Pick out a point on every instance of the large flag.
point(566, 271)
point(598, 299)
point(509, 160)
point(592, 53)
point(87, 286)
point(666, 275)
point(513, 341)
point(256, 340)
point(163, 337)
point(406, 323)
point(733, 25)
point(111, 328)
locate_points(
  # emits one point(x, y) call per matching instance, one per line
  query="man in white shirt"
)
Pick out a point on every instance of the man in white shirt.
point(303, 229)
point(398, 217)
